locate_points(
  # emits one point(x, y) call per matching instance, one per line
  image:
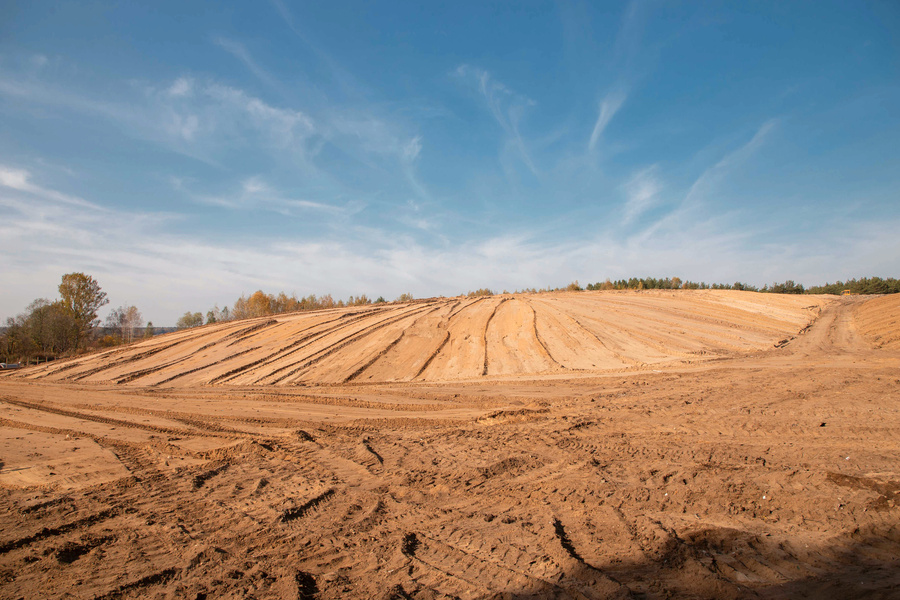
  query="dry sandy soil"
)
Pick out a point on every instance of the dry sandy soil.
point(709, 444)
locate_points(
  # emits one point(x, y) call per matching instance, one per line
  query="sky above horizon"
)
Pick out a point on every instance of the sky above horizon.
point(183, 153)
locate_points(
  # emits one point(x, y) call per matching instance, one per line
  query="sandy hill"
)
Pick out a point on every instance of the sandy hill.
point(879, 321)
point(455, 339)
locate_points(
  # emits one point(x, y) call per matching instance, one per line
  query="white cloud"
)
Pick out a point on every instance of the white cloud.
point(183, 86)
point(506, 106)
point(238, 50)
point(642, 191)
point(256, 194)
point(412, 149)
point(187, 116)
point(14, 178)
point(712, 176)
point(254, 185)
point(694, 206)
point(281, 126)
point(220, 125)
point(20, 179)
point(184, 126)
point(365, 131)
point(608, 109)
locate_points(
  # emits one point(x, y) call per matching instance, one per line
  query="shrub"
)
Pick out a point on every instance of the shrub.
point(480, 292)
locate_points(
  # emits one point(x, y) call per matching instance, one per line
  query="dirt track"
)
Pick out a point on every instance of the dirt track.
point(725, 455)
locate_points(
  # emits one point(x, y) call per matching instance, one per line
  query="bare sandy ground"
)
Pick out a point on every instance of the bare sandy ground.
point(608, 445)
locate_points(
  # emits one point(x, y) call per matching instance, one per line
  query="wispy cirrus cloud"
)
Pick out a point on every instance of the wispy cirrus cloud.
point(609, 106)
point(411, 149)
point(712, 176)
point(195, 117)
point(505, 105)
point(409, 156)
point(356, 130)
point(626, 52)
point(630, 35)
point(20, 180)
point(39, 60)
point(349, 85)
point(642, 191)
point(254, 193)
point(307, 152)
point(215, 123)
point(695, 204)
point(240, 52)
point(282, 126)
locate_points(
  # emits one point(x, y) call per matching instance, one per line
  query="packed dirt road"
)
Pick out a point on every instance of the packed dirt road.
point(718, 445)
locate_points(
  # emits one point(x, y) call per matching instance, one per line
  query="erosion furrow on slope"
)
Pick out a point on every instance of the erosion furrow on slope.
point(484, 334)
point(308, 335)
point(334, 347)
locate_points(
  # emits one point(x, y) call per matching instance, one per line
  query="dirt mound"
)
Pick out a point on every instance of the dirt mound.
point(879, 321)
point(455, 339)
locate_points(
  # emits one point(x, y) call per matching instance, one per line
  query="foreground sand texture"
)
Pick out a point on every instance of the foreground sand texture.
point(587, 445)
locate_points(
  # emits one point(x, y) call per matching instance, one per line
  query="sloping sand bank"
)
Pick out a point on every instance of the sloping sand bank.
point(455, 339)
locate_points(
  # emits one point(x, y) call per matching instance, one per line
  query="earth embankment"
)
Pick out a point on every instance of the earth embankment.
point(879, 321)
point(454, 339)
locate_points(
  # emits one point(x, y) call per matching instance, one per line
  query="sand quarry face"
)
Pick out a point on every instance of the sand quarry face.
point(454, 339)
point(709, 444)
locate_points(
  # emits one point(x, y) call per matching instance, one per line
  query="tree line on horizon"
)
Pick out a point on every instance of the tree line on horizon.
point(865, 285)
point(261, 304)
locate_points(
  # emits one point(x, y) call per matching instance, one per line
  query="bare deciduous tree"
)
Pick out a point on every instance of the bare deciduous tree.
point(125, 320)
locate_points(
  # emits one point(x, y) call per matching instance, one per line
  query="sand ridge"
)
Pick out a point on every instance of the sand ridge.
point(455, 339)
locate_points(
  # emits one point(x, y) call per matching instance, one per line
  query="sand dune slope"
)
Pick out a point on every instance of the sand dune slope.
point(879, 321)
point(455, 339)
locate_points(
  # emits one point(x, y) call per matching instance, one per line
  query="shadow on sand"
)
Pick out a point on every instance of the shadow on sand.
point(728, 564)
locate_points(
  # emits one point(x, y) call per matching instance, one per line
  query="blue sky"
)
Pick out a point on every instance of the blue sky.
point(183, 153)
